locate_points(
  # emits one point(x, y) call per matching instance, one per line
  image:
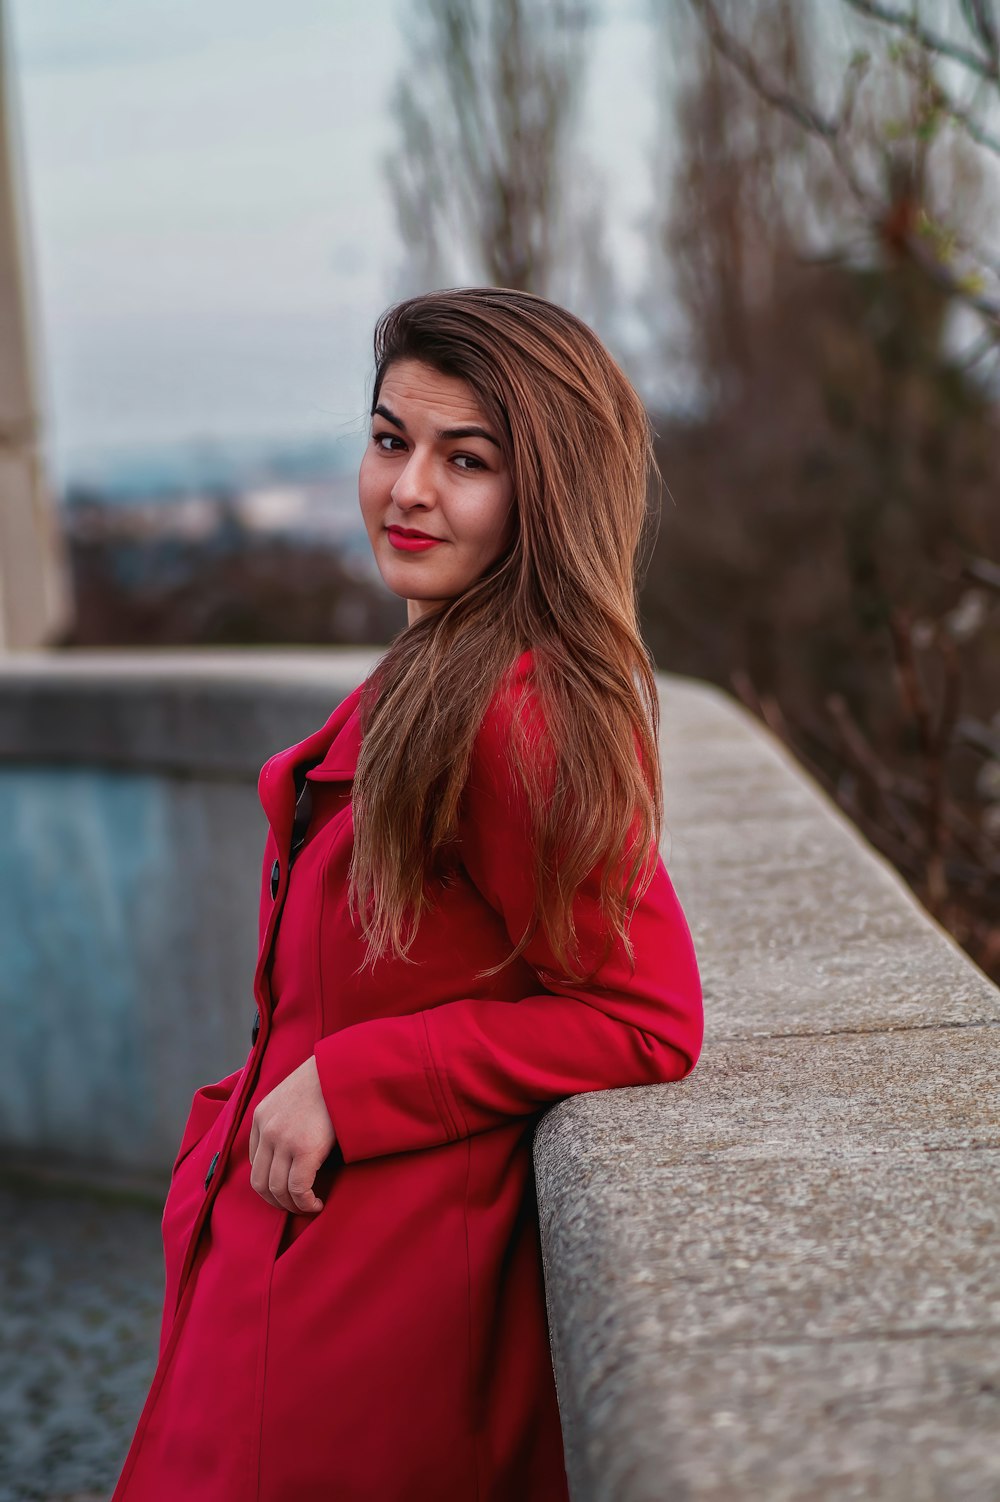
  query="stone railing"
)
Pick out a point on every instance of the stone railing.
point(774, 1280)
point(778, 1279)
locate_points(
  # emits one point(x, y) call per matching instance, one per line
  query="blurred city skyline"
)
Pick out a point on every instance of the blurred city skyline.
point(213, 236)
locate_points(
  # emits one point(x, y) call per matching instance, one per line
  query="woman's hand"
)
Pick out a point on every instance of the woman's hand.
point(290, 1136)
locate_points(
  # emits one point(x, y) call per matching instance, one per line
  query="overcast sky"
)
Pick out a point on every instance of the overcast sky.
point(213, 237)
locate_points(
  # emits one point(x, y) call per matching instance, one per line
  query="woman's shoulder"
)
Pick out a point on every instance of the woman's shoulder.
point(513, 726)
point(524, 666)
point(513, 695)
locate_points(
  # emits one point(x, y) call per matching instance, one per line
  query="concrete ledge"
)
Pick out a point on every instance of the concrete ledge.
point(212, 713)
point(777, 1280)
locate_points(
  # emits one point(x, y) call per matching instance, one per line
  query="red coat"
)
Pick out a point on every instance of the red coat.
point(393, 1346)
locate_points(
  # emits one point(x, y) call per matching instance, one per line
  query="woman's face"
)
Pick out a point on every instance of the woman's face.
point(423, 471)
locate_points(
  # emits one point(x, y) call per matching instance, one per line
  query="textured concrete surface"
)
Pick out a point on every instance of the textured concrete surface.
point(778, 1280)
point(186, 713)
point(81, 1288)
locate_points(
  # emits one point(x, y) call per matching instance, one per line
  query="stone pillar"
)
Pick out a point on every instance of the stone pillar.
point(34, 576)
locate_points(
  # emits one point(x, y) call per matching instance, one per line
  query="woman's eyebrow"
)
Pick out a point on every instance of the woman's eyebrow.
point(467, 432)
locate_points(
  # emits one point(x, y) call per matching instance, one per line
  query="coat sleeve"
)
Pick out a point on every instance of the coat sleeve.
point(397, 1084)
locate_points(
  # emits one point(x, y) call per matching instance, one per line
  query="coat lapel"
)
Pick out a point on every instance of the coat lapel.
point(340, 759)
point(334, 747)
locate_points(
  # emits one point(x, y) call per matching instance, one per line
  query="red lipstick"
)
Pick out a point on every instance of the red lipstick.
point(411, 541)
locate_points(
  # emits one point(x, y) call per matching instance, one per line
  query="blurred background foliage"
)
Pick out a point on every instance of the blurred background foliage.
point(831, 550)
point(817, 341)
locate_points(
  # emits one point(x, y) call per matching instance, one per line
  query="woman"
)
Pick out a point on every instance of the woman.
point(474, 923)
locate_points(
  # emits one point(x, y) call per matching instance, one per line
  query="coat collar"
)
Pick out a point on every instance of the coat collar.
point(334, 748)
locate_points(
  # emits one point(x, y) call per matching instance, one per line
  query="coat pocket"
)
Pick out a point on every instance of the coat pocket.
point(187, 1187)
point(297, 1223)
point(206, 1105)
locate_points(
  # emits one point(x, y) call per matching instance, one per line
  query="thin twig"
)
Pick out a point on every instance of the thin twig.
point(830, 131)
point(932, 41)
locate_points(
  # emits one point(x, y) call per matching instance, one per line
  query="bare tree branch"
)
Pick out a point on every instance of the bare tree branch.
point(831, 132)
point(932, 41)
point(810, 119)
point(948, 106)
point(981, 22)
point(487, 178)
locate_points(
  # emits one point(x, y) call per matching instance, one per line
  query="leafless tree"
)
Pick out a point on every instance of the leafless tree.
point(488, 180)
point(911, 135)
point(829, 551)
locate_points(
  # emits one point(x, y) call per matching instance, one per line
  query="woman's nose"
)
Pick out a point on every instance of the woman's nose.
point(416, 482)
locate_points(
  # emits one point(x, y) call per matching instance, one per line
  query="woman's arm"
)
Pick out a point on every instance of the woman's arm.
point(396, 1084)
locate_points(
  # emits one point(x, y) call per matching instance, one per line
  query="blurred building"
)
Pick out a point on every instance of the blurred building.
point(35, 600)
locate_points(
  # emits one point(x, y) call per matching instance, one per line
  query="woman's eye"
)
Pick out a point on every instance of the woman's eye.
point(386, 443)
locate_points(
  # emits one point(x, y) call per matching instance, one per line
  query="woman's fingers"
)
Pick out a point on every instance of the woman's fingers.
point(277, 1182)
point(260, 1171)
point(301, 1178)
point(291, 1135)
point(284, 1182)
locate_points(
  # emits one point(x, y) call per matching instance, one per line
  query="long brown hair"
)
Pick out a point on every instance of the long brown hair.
point(579, 447)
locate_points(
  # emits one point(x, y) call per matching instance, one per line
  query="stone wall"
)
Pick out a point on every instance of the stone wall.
point(129, 886)
point(774, 1280)
point(777, 1280)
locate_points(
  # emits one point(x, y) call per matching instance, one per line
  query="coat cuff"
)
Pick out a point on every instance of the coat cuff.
point(382, 1089)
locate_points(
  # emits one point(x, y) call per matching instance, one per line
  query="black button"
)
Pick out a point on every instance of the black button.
point(256, 1027)
point(211, 1170)
point(275, 877)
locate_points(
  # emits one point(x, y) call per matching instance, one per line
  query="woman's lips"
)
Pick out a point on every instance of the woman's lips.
point(411, 544)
